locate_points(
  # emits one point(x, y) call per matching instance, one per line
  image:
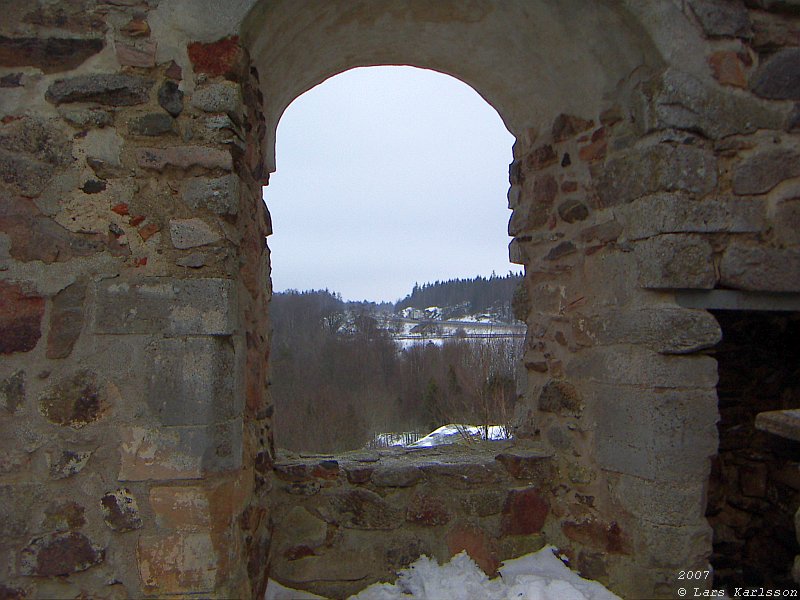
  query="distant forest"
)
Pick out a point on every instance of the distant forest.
point(337, 378)
point(478, 295)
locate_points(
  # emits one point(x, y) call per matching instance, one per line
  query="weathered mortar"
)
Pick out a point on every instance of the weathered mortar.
point(134, 278)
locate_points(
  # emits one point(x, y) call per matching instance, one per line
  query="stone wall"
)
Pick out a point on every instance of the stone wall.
point(134, 278)
point(344, 522)
point(681, 183)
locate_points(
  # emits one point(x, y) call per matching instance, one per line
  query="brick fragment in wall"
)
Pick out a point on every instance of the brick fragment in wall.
point(221, 58)
point(20, 318)
point(135, 28)
point(51, 55)
point(469, 538)
point(605, 537)
point(166, 306)
point(567, 126)
point(728, 68)
point(142, 54)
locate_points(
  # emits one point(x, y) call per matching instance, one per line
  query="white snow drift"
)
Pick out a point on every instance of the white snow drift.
point(537, 576)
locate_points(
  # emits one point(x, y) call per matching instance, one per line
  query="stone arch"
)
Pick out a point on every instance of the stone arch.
point(552, 62)
point(655, 174)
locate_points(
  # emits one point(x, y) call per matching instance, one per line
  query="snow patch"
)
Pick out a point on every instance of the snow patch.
point(454, 433)
point(537, 576)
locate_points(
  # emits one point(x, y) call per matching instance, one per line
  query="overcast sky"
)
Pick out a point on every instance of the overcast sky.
point(387, 176)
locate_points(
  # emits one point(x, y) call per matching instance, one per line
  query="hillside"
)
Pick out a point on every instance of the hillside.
point(463, 297)
point(343, 372)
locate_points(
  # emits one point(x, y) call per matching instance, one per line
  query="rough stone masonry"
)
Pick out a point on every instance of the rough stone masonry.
point(657, 153)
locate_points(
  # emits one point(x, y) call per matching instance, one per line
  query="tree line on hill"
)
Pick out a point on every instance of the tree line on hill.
point(474, 296)
point(337, 378)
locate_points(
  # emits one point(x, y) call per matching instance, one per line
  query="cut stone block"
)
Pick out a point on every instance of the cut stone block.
point(180, 563)
point(784, 423)
point(664, 435)
point(760, 269)
point(674, 261)
point(161, 305)
point(191, 381)
point(179, 452)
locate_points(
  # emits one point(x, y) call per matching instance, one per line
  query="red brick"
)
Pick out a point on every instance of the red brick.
point(607, 537)
point(477, 543)
point(541, 157)
point(20, 319)
point(149, 231)
point(143, 56)
point(545, 189)
point(220, 58)
point(136, 28)
point(524, 512)
point(594, 151)
point(728, 68)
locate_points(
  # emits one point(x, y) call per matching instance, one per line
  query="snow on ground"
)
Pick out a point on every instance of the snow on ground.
point(276, 591)
point(453, 433)
point(537, 576)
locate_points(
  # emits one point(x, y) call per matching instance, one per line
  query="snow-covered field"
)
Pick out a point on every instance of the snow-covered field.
point(453, 433)
point(537, 576)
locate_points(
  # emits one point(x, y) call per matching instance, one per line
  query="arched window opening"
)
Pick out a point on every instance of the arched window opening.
point(392, 313)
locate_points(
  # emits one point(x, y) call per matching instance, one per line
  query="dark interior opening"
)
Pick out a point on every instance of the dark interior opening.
point(754, 488)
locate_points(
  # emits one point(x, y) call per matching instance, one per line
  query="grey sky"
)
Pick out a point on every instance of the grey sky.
point(388, 176)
